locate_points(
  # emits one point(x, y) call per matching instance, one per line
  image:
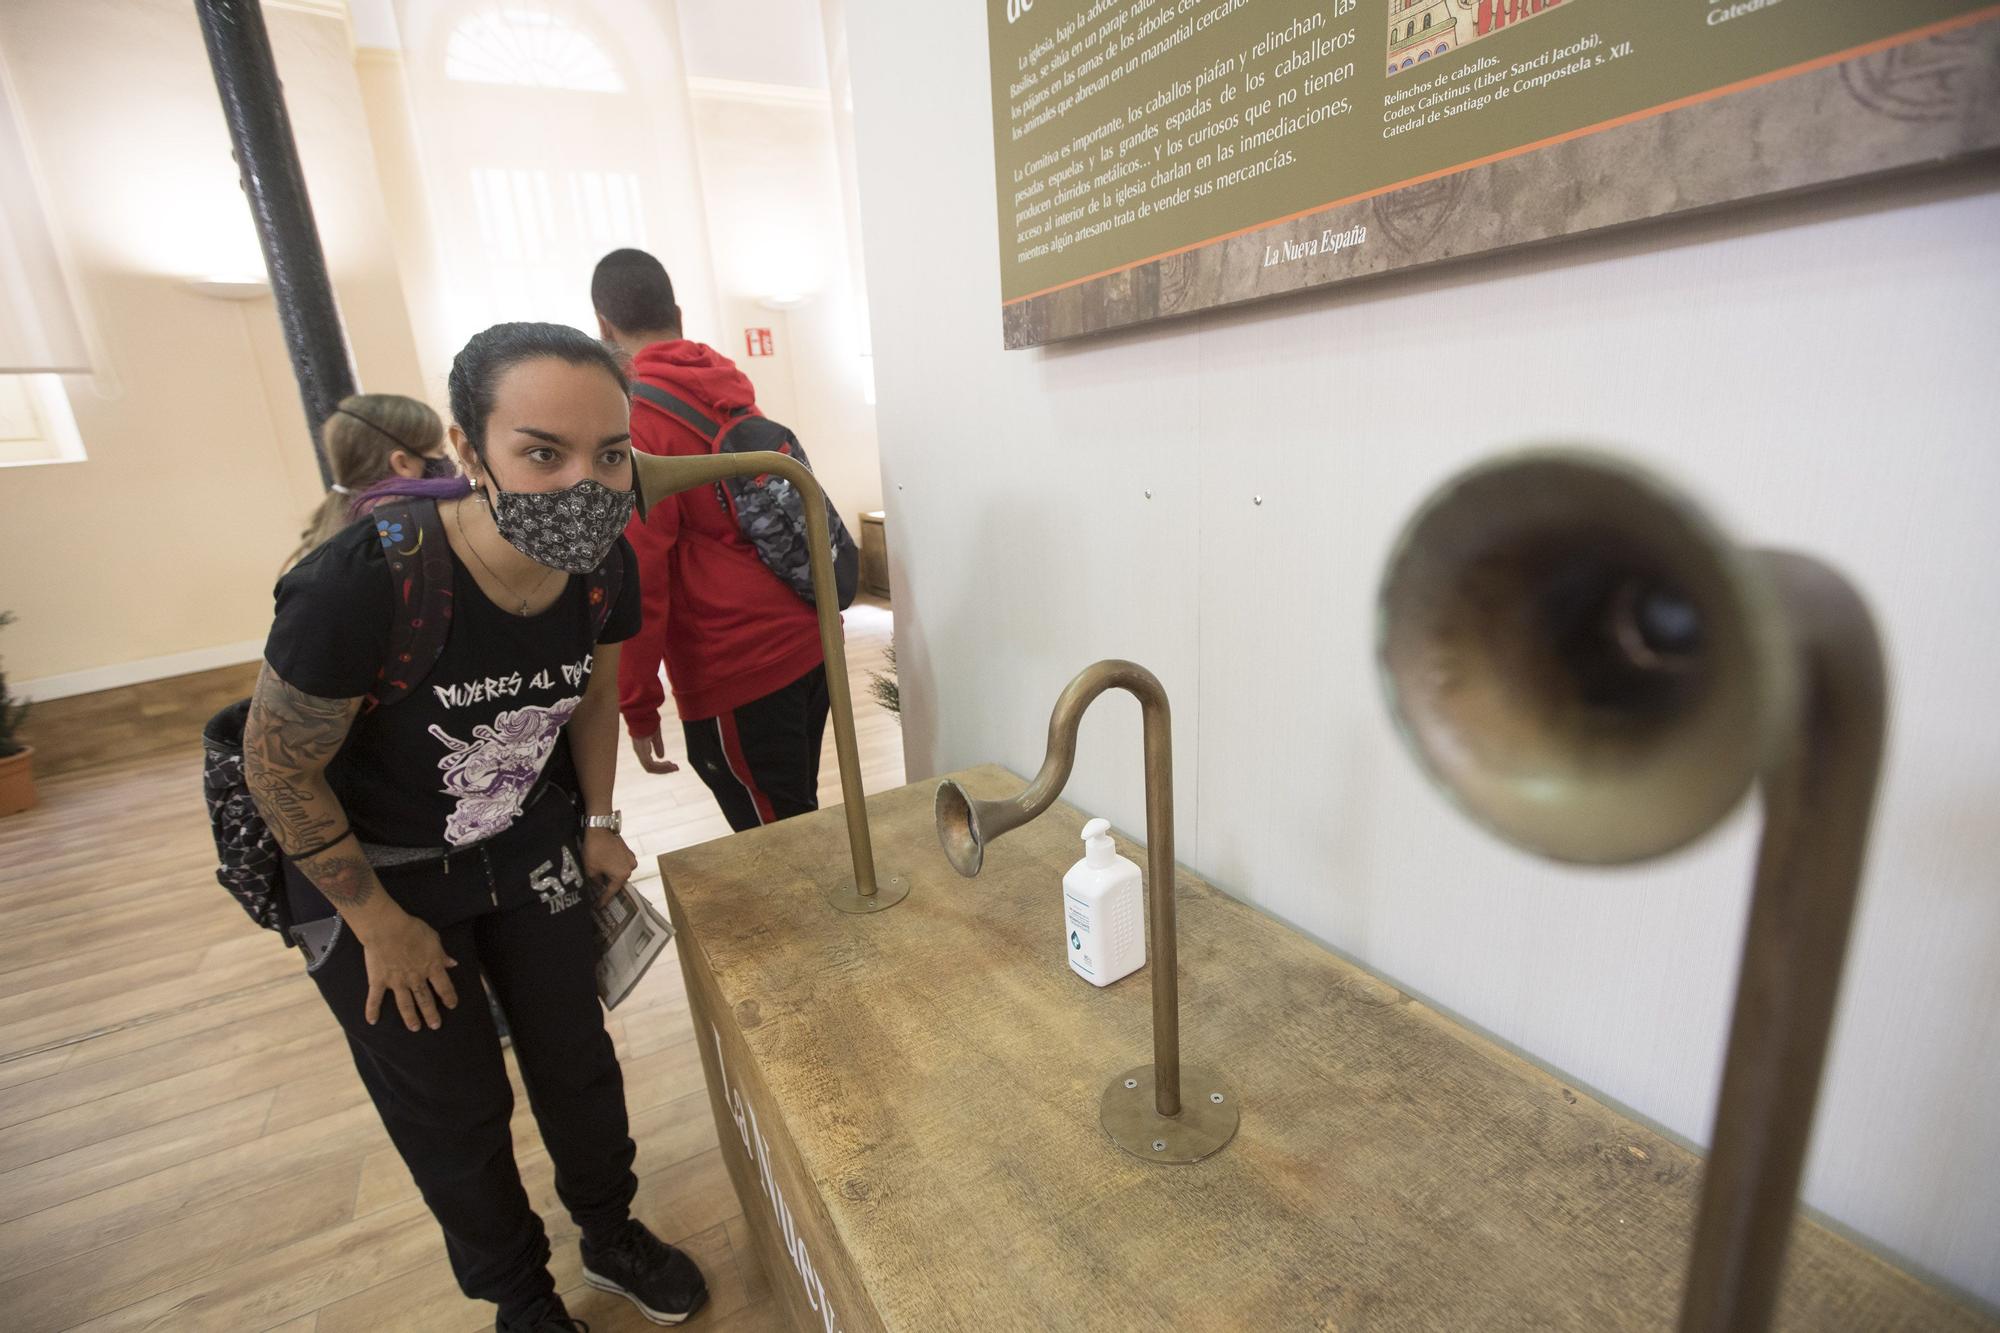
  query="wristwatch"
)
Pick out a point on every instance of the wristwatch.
point(613, 821)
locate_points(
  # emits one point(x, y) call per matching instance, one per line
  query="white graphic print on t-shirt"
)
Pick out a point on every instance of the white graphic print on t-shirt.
point(492, 774)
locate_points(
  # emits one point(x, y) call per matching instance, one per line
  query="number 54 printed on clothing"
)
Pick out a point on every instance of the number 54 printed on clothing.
point(558, 891)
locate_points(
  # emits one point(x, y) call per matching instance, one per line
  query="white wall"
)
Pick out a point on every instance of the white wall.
point(1820, 370)
point(778, 229)
point(531, 256)
point(754, 41)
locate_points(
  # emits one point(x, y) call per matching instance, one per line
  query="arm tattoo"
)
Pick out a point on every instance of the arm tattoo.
point(342, 873)
point(288, 741)
point(287, 806)
point(300, 731)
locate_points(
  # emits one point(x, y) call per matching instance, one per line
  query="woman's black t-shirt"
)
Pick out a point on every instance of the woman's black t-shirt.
point(452, 762)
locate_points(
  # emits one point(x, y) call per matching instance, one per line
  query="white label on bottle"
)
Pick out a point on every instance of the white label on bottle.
point(1079, 935)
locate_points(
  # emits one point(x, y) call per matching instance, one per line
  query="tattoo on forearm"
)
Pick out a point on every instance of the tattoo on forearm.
point(342, 874)
point(287, 807)
point(287, 743)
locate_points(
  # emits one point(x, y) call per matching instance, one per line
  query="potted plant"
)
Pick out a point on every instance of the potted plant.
point(882, 684)
point(17, 758)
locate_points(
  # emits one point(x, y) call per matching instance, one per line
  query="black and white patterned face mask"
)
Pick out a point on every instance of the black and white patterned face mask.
point(571, 530)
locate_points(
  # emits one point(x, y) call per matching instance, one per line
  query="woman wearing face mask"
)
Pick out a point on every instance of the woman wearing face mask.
point(372, 438)
point(426, 847)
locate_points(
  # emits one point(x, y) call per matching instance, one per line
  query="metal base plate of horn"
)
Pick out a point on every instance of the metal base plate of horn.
point(1206, 1123)
point(889, 890)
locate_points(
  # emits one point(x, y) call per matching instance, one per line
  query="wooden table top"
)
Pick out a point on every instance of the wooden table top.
point(939, 1069)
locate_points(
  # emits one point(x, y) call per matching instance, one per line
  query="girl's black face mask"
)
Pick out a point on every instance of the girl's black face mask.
point(571, 530)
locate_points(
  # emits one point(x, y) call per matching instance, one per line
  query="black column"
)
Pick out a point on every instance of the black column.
point(253, 102)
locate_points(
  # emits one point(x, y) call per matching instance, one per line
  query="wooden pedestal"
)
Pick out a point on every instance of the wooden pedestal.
point(908, 1105)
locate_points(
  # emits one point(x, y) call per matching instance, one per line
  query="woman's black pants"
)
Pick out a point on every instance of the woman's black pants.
point(514, 913)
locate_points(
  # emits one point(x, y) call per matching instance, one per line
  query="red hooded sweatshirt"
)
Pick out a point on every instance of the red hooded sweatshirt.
point(728, 629)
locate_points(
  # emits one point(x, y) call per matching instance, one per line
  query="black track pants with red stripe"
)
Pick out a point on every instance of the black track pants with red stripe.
point(762, 760)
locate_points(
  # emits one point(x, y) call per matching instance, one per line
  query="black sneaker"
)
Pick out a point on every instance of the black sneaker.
point(548, 1315)
point(645, 1270)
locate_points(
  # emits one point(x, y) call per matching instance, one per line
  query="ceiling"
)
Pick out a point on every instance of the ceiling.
point(740, 41)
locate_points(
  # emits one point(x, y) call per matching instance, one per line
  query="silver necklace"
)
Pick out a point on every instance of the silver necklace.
point(494, 574)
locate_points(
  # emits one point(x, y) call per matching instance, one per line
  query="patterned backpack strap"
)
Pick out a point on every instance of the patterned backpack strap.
point(603, 585)
point(419, 558)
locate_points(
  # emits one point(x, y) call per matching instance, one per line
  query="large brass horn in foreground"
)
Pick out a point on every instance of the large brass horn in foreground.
point(1142, 1109)
point(658, 478)
point(1594, 672)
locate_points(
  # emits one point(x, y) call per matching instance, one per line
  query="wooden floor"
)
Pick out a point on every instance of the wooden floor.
point(184, 1144)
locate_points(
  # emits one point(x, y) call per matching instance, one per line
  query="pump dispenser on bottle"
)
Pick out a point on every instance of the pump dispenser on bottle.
point(1103, 920)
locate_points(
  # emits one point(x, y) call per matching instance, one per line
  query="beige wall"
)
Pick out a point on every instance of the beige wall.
point(199, 471)
point(385, 98)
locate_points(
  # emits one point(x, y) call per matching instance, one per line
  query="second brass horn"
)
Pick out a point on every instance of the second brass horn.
point(1583, 661)
point(656, 478)
point(1143, 1109)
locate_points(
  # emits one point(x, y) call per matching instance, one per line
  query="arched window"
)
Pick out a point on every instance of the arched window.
point(1427, 21)
point(523, 44)
point(538, 132)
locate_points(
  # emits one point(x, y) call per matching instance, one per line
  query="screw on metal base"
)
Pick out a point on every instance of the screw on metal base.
point(889, 891)
point(1206, 1123)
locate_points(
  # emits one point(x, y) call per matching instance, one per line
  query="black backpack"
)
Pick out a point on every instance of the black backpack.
point(250, 864)
point(770, 513)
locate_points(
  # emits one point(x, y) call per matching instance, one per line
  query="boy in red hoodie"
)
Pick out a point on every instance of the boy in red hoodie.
point(740, 647)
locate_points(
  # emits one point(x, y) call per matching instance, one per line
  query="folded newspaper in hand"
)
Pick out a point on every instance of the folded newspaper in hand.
point(630, 935)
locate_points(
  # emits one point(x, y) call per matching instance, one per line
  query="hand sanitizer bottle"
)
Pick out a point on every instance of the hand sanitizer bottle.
point(1102, 916)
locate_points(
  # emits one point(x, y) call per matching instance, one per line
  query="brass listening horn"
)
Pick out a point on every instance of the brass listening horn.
point(1593, 671)
point(657, 478)
point(1142, 1109)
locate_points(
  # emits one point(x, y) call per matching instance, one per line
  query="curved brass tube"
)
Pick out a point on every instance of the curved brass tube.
point(658, 477)
point(965, 826)
point(1592, 670)
point(1819, 795)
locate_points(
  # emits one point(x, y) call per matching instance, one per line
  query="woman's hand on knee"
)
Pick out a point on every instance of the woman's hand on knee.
point(407, 962)
point(607, 862)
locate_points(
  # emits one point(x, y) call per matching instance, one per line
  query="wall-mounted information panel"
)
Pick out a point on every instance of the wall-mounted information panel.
point(1160, 157)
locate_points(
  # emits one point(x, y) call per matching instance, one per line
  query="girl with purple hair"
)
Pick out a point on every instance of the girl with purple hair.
point(374, 440)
